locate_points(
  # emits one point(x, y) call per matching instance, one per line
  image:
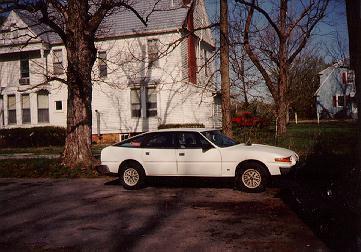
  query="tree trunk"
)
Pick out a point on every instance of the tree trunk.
point(353, 8)
point(224, 68)
point(281, 102)
point(77, 152)
point(81, 54)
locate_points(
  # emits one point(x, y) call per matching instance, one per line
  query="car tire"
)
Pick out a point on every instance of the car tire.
point(132, 176)
point(251, 177)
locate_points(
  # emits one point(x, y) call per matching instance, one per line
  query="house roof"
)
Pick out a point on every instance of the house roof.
point(329, 70)
point(42, 31)
point(339, 64)
point(164, 15)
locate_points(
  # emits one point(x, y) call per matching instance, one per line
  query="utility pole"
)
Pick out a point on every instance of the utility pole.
point(224, 68)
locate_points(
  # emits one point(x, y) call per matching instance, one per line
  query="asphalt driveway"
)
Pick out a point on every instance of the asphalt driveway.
point(98, 214)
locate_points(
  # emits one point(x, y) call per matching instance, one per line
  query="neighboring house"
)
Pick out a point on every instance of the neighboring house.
point(143, 76)
point(335, 98)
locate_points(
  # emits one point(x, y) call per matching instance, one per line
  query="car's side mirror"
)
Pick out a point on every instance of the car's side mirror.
point(206, 147)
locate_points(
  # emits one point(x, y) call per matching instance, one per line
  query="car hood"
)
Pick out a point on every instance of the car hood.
point(260, 148)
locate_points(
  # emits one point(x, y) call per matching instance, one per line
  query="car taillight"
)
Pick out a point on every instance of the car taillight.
point(284, 159)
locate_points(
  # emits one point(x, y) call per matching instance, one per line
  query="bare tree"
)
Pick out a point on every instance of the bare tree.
point(76, 22)
point(275, 39)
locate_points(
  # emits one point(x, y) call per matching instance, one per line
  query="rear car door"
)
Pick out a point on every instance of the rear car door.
point(159, 154)
point(193, 160)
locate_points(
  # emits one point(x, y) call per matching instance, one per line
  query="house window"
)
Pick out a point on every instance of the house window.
point(58, 62)
point(58, 105)
point(102, 64)
point(24, 68)
point(25, 106)
point(340, 101)
point(135, 102)
point(151, 102)
point(43, 107)
point(11, 109)
point(153, 52)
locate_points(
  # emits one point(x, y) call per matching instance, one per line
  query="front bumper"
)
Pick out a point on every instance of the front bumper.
point(287, 170)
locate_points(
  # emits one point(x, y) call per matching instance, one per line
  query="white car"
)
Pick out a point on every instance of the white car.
point(194, 152)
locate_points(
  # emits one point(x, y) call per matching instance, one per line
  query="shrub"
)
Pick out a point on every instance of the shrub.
point(32, 137)
point(181, 125)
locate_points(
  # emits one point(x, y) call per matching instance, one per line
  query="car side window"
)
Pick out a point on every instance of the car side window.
point(189, 140)
point(134, 142)
point(160, 141)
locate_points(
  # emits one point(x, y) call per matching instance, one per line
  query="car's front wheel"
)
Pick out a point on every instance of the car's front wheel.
point(251, 177)
point(132, 176)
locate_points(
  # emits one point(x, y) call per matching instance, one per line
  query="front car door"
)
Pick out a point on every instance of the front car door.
point(159, 154)
point(192, 160)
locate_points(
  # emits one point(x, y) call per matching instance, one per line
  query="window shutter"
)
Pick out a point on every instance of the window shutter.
point(334, 101)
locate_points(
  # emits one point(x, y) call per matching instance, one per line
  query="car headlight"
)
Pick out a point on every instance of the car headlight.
point(284, 159)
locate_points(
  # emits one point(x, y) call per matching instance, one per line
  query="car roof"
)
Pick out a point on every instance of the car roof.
point(184, 129)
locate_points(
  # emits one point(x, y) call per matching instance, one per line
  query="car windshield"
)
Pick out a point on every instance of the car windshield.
point(216, 137)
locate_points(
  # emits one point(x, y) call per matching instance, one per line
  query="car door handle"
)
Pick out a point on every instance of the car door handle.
point(181, 154)
point(147, 153)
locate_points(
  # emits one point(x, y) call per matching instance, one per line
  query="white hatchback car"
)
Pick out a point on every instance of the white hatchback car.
point(194, 152)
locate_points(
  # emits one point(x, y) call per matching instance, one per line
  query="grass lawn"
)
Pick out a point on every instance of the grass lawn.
point(306, 138)
point(40, 168)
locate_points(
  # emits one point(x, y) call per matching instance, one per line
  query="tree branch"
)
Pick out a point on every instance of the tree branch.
point(255, 6)
point(307, 33)
point(256, 61)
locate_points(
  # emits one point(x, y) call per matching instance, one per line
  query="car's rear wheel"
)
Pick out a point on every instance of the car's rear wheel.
point(132, 176)
point(251, 177)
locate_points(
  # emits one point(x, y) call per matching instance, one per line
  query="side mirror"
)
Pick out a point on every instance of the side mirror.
point(206, 147)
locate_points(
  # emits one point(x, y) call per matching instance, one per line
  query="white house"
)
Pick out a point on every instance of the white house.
point(336, 94)
point(144, 75)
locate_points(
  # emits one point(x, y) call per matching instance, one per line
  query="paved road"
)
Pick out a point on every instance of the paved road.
point(97, 214)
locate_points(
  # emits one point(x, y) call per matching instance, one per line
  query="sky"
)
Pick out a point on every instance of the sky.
point(329, 33)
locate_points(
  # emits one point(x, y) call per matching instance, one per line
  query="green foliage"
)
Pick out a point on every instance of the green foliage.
point(32, 137)
point(181, 125)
